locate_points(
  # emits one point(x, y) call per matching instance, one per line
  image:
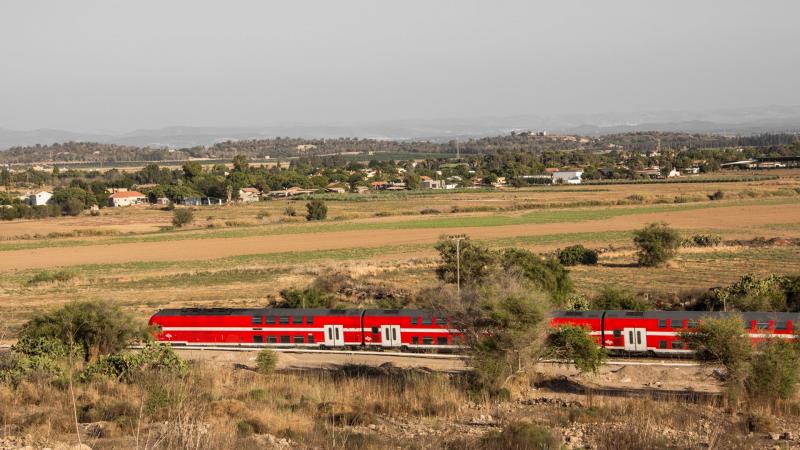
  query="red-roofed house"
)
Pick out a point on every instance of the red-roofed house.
point(127, 198)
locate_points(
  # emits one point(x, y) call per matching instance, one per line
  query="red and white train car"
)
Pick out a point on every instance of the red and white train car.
point(284, 327)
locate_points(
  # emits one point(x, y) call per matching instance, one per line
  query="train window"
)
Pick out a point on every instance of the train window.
point(662, 344)
point(781, 325)
point(374, 330)
point(283, 320)
point(270, 319)
point(762, 325)
point(413, 321)
point(441, 322)
point(662, 323)
point(309, 320)
point(285, 340)
point(427, 341)
point(617, 333)
point(677, 345)
point(693, 324)
point(310, 338)
point(676, 323)
point(256, 320)
point(258, 339)
point(297, 320)
point(298, 339)
point(415, 340)
point(427, 321)
point(271, 339)
point(748, 324)
point(442, 340)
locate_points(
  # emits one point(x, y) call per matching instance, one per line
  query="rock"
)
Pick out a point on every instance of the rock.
point(787, 436)
point(775, 436)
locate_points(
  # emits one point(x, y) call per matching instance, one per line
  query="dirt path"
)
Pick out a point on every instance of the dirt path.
point(722, 217)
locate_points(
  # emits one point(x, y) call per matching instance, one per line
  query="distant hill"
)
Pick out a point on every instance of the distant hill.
point(737, 121)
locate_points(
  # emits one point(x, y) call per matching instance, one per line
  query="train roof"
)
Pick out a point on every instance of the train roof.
point(291, 312)
point(768, 315)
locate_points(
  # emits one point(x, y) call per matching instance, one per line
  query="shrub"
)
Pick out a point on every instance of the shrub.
point(719, 195)
point(722, 340)
point(775, 370)
point(311, 297)
point(545, 273)
point(612, 298)
point(426, 211)
point(577, 254)
point(751, 293)
point(181, 217)
point(317, 210)
point(154, 357)
point(574, 343)
point(266, 361)
point(703, 240)
point(289, 211)
point(47, 276)
point(97, 327)
point(262, 215)
point(657, 243)
point(476, 261)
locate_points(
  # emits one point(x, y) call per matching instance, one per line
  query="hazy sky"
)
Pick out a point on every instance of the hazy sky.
point(107, 65)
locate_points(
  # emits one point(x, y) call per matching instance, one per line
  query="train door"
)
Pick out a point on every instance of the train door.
point(390, 336)
point(334, 335)
point(635, 339)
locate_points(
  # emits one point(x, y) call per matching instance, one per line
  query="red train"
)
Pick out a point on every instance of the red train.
point(419, 330)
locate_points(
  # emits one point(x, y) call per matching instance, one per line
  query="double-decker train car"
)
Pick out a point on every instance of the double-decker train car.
point(660, 332)
point(328, 328)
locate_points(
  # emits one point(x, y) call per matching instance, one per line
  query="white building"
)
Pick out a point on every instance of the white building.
point(127, 198)
point(673, 173)
point(567, 177)
point(248, 195)
point(431, 184)
point(40, 198)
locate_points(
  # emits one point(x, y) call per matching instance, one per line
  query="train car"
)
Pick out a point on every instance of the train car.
point(410, 329)
point(260, 327)
point(659, 332)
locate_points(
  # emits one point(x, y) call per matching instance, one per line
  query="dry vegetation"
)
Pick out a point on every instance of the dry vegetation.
point(380, 248)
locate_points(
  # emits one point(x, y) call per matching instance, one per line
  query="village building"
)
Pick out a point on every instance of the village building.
point(40, 198)
point(249, 195)
point(126, 198)
point(567, 177)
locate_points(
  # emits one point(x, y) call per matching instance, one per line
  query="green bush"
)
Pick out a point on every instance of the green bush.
point(181, 217)
point(703, 240)
point(722, 340)
point(97, 327)
point(575, 344)
point(656, 243)
point(476, 262)
point(266, 361)
point(48, 276)
point(311, 297)
point(317, 210)
point(719, 195)
point(750, 293)
point(126, 366)
point(426, 211)
point(612, 298)
point(775, 370)
point(289, 211)
point(545, 273)
point(577, 254)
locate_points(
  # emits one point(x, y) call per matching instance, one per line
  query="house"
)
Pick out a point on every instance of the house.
point(40, 198)
point(362, 189)
point(336, 189)
point(379, 185)
point(113, 190)
point(201, 201)
point(652, 172)
point(431, 184)
point(291, 192)
point(673, 173)
point(551, 170)
point(691, 171)
point(126, 198)
point(567, 177)
point(248, 195)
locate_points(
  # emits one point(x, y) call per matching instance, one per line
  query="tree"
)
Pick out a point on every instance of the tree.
point(192, 169)
point(775, 370)
point(240, 163)
point(577, 254)
point(575, 344)
point(317, 210)
point(181, 217)
point(656, 243)
point(97, 327)
point(474, 262)
point(545, 273)
point(723, 340)
point(311, 297)
point(266, 360)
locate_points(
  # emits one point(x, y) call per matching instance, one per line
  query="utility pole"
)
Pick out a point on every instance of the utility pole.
point(458, 238)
